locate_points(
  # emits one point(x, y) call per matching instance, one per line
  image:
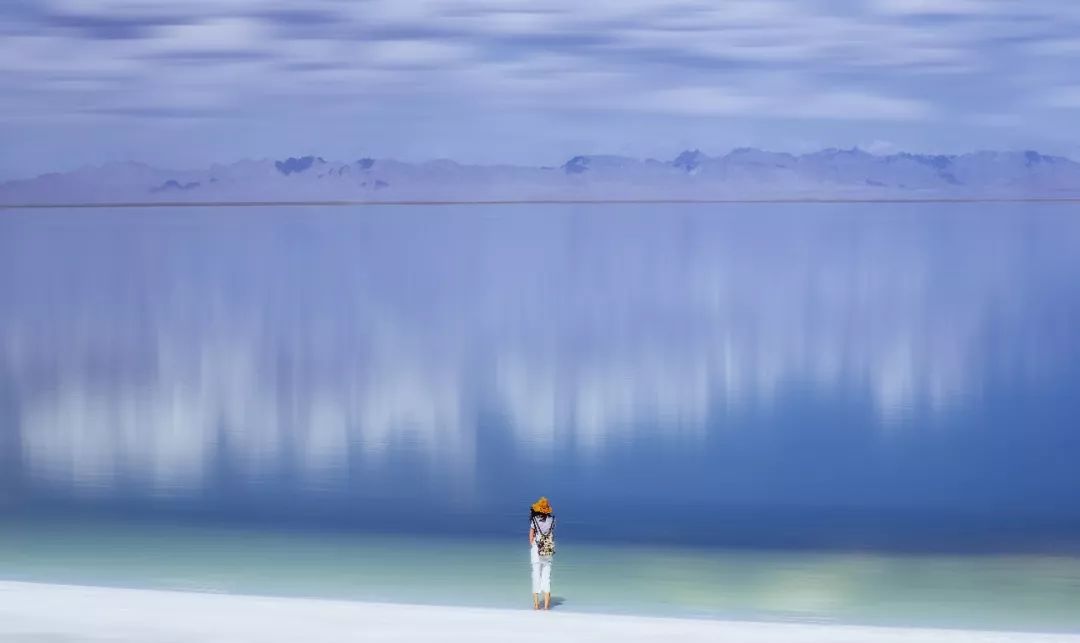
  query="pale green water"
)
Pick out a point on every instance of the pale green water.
point(1028, 592)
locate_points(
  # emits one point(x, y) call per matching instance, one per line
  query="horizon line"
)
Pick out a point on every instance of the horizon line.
point(491, 202)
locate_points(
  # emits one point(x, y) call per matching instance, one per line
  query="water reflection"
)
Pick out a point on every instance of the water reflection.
point(173, 353)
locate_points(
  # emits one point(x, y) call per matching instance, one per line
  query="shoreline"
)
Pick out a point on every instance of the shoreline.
point(55, 612)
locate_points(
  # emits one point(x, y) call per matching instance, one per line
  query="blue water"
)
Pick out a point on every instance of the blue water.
point(881, 380)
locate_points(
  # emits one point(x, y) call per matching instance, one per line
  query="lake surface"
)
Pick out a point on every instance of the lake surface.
point(752, 387)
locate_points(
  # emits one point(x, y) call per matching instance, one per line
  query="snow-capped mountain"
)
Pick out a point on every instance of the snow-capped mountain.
point(692, 174)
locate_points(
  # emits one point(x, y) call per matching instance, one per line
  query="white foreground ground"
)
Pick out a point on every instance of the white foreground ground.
point(39, 613)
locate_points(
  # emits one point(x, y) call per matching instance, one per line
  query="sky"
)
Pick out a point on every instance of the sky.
point(186, 84)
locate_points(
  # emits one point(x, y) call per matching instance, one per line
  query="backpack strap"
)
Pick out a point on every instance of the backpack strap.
point(536, 533)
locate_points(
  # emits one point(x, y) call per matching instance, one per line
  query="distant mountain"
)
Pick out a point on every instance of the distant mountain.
point(742, 173)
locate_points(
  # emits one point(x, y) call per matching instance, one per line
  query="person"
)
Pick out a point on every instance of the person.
point(541, 550)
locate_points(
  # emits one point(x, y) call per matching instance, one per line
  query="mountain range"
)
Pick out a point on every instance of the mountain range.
point(744, 173)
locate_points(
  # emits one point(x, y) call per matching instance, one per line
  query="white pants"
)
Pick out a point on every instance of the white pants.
point(541, 575)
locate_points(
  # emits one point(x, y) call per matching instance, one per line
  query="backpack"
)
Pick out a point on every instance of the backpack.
point(545, 543)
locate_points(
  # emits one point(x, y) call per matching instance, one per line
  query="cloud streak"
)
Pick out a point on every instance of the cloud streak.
point(934, 62)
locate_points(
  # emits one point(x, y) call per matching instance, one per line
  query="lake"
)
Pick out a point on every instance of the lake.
point(855, 412)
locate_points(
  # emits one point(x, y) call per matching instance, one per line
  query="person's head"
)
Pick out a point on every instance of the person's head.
point(541, 507)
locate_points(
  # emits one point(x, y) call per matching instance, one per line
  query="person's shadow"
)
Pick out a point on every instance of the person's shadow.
point(557, 601)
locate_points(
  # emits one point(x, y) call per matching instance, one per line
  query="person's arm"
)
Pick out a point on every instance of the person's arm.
point(532, 534)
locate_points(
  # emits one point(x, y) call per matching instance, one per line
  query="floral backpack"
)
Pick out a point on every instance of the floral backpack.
point(545, 542)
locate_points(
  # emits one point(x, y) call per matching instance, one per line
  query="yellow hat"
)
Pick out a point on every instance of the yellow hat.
point(542, 506)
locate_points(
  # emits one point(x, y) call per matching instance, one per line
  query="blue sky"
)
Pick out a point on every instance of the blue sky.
point(185, 84)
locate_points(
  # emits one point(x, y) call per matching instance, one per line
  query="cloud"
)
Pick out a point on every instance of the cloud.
point(221, 34)
point(873, 61)
point(937, 7)
point(107, 27)
point(414, 53)
point(1064, 97)
point(783, 103)
point(698, 101)
point(1067, 46)
point(861, 105)
point(157, 112)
